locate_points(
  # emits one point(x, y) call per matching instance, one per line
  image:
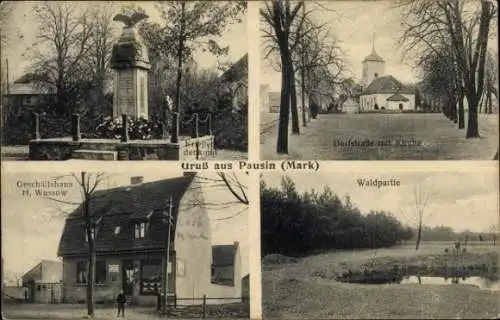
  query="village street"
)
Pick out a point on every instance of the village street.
point(105, 312)
point(420, 136)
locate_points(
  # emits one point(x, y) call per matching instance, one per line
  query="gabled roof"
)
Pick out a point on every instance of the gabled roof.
point(116, 206)
point(223, 255)
point(387, 84)
point(25, 89)
point(397, 97)
point(39, 267)
point(238, 71)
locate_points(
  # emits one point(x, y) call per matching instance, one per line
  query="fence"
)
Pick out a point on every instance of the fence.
point(194, 125)
point(234, 307)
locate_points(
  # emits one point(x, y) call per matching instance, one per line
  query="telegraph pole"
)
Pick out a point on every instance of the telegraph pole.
point(168, 218)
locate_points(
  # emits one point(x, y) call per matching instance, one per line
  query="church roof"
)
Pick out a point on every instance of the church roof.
point(397, 97)
point(373, 57)
point(387, 84)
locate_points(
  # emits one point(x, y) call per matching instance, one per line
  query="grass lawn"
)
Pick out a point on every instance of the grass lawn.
point(295, 291)
point(433, 137)
point(76, 311)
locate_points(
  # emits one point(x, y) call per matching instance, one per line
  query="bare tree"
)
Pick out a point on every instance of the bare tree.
point(195, 23)
point(466, 27)
point(417, 210)
point(98, 58)
point(490, 85)
point(88, 184)
point(279, 15)
point(65, 30)
point(494, 233)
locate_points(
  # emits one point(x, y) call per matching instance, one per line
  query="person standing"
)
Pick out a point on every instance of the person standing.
point(121, 300)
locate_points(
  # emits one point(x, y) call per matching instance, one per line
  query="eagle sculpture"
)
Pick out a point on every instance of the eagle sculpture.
point(130, 21)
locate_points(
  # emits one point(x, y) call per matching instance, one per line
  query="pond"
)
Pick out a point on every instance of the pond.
point(483, 283)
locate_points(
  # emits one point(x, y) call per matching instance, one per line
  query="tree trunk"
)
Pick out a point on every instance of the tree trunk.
point(461, 110)
point(303, 96)
point(472, 124)
point(282, 144)
point(175, 124)
point(90, 279)
point(293, 100)
point(489, 102)
point(453, 108)
point(419, 235)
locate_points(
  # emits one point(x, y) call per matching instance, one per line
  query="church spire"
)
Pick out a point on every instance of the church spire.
point(373, 42)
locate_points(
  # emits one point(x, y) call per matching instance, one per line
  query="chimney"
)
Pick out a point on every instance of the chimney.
point(136, 180)
point(189, 174)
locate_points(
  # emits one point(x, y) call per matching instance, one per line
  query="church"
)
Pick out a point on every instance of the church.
point(383, 92)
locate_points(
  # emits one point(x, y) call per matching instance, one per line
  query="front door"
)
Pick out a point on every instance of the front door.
point(128, 277)
point(31, 290)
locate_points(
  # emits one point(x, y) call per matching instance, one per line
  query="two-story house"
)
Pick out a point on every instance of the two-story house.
point(131, 232)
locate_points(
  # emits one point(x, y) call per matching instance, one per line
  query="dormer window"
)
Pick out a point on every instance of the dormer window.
point(140, 230)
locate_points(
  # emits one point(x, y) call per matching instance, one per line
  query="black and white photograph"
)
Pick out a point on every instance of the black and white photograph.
point(118, 80)
point(380, 244)
point(144, 245)
point(379, 80)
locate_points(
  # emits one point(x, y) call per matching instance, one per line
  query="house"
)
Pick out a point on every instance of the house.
point(383, 92)
point(130, 226)
point(24, 96)
point(350, 106)
point(264, 98)
point(275, 101)
point(43, 282)
point(237, 79)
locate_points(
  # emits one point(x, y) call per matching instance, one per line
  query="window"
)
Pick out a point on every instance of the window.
point(117, 230)
point(100, 272)
point(82, 272)
point(27, 100)
point(151, 276)
point(140, 230)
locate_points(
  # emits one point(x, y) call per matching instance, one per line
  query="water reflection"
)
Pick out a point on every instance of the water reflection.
point(480, 282)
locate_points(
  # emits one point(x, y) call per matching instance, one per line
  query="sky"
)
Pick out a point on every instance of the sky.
point(22, 30)
point(356, 24)
point(455, 199)
point(32, 227)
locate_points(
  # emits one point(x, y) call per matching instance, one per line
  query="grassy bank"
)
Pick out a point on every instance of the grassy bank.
point(307, 287)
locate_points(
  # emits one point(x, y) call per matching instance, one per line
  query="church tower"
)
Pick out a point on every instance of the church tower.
point(373, 67)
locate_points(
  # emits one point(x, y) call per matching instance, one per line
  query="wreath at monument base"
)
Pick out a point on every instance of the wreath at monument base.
point(138, 129)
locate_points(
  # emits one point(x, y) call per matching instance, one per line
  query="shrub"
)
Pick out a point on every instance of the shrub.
point(314, 107)
point(230, 128)
point(140, 129)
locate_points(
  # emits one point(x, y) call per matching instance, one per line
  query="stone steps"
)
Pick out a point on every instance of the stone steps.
point(87, 154)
